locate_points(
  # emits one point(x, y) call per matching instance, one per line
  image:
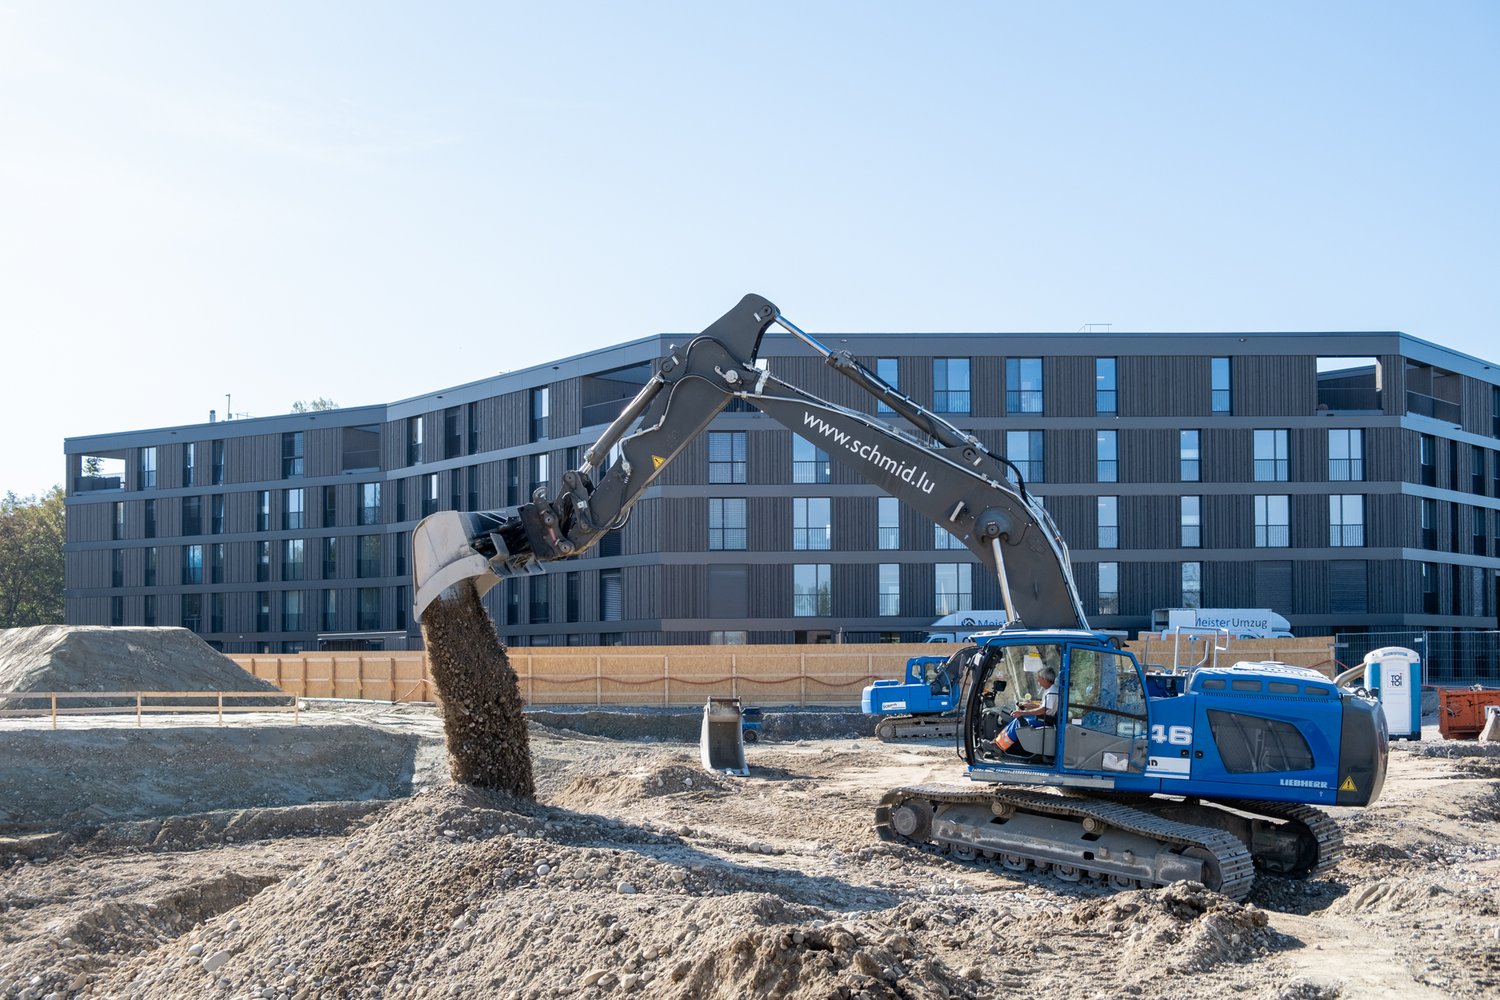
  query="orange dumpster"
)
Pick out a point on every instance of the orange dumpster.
point(1461, 711)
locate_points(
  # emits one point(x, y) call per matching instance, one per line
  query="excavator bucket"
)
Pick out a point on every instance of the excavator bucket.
point(442, 554)
point(722, 741)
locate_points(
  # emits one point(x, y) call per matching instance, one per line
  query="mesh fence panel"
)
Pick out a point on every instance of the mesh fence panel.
point(1456, 657)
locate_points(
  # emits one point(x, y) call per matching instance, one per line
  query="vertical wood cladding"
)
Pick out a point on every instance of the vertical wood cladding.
point(1069, 456)
point(1162, 386)
point(1274, 384)
point(1068, 386)
point(1149, 455)
point(1228, 455)
point(323, 450)
point(986, 386)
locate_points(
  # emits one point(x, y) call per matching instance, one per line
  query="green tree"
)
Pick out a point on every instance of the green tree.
point(31, 559)
point(303, 406)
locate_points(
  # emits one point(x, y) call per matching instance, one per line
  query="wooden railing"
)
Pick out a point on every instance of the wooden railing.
point(142, 702)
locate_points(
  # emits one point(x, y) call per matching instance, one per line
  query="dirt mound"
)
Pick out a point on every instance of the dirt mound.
point(1182, 925)
point(642, 783)
point(99, 658)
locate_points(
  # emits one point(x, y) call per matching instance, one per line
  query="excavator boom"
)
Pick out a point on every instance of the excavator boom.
point(944, 473)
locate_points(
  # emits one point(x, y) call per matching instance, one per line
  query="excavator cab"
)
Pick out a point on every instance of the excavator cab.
point(1100, 723)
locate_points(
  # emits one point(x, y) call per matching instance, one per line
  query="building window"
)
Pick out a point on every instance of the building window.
point(474, 486)
point(369, 503)
point(1346, 455)
point(189, 464)
point(330, 506)
point(541, 410)
point(453, 442)
point(148, 567)
point(1023, 385)
point(541, 600)
point(369, 609)
point(1346, 520)
point(262, 562)
point(611, 598)
point(950, 385)
point(890, 589)
point(293, 559)
point(1109, 588)
point(192, 612)
point(572, 597)
point(942, 538)
point(413, 440)
point(1189, 462)
point(192, 515)
point(147, 470)
point(216, 563)
point(192, 564)
point(1427, 456)
point(216, 514)
point(369, 556)
point(216, 612)
point(726, 456)
point(727, 523)
point(472, 415)
point(116, 568)
point(1219, 385)
point(1106, 399)
point(293, 515)
point(953, 589)
point(887, 523)
point(293, 463)
point(812, 594)
point(403, 546)
point(149, 508)
point(430, 493)
point(218, 463)
point(1272, 524)
point(1481, 532)
point(330, 610)
point(1429, 523)
point(263, 611)
point(263, 510)
point(117, 611)
point(1109, 522)
point(1271, 456)
point(1024, 450)
point(809, 462)
point(1192, 585)
point(291, 611)
point(889, 372)
point(148, 610)
point(1192, 522)
point(1476, 471)
point(541, 470)
point(1430, 588)
point(117, 528)
point(812, 526)
point(1107, 450)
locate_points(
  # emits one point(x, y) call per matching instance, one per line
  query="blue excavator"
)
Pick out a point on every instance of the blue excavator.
point(1079, 761)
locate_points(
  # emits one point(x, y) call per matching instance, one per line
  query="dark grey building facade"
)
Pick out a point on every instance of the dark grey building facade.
point(1350, 481)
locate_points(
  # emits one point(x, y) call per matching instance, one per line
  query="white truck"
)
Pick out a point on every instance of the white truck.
point(959, 626)
point(1240, 623)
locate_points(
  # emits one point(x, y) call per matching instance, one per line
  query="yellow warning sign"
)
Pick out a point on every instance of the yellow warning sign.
point(1348, 785)
point(657, 462)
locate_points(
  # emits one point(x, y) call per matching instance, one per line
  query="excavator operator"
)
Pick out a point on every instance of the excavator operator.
point(1040, 715)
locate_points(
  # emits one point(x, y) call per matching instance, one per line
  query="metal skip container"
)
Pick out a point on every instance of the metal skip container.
point(1393, 675)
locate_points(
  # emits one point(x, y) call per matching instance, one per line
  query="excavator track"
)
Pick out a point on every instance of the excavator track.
point(1308, 822)
point(914, 727)
point(1070, 836)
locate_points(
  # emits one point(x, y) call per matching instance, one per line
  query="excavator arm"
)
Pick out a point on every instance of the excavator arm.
point(943, 473)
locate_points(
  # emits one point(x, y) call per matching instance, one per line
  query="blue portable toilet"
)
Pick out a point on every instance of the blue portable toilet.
point(1393, 675)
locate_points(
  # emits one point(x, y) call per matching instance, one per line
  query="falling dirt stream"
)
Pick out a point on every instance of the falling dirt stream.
point(482, 719)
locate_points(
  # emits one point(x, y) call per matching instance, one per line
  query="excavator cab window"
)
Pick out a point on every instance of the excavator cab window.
point(1105, 712)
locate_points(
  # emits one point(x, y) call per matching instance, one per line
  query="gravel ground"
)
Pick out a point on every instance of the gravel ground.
point(635, 873)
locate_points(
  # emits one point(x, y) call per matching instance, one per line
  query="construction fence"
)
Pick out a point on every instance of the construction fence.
point(684, 676)
point(1449, 658)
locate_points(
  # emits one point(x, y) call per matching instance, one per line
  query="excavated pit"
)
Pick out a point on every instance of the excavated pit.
point(485, 729)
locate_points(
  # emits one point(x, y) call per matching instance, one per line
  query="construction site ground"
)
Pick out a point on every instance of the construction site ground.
point(334, 858)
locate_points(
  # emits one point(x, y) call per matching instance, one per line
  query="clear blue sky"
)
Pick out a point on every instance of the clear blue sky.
point(369, 201)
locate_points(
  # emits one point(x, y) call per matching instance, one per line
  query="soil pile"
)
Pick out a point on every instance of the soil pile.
point(101, 658)
point(487, 741)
